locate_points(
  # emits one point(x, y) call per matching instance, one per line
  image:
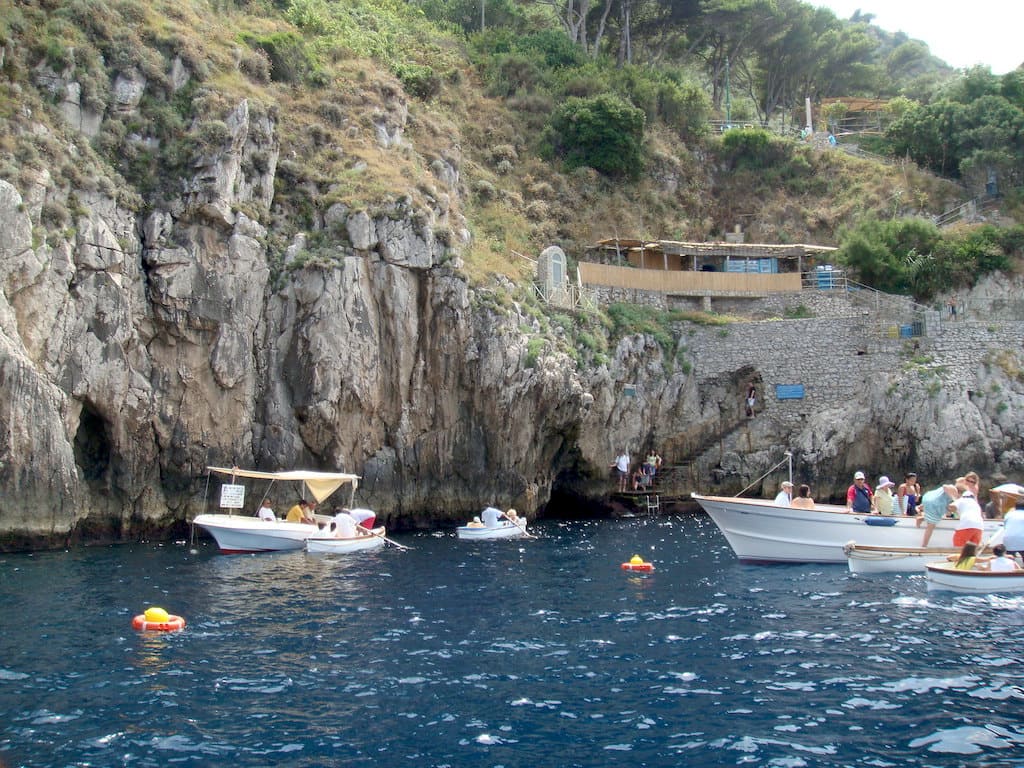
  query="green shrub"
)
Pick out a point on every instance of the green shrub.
point(511, 73)
point(753, 149)
point(602, 132)
point(419, 80)
point(533, 349)
point(290, 62)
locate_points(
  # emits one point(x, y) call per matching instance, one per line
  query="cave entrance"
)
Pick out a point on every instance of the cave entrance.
point(92, 446)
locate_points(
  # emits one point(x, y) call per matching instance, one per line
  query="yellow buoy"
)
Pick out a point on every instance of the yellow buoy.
point(155, 614)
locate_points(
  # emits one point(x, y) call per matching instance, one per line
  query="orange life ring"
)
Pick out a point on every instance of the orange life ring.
point(638, 566)
point(173, 624)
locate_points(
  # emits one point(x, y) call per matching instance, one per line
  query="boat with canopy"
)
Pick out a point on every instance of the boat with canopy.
point(235, 531)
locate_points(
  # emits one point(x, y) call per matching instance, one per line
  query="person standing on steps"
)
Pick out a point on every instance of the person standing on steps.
point(621, 465)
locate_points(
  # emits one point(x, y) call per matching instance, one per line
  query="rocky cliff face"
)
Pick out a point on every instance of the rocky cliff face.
point(136, 350)
point(140, 344)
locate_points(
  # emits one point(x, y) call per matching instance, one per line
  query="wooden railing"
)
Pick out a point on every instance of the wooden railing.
point(693, 283)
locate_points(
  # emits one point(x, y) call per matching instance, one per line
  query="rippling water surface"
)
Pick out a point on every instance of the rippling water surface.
point(507, 653)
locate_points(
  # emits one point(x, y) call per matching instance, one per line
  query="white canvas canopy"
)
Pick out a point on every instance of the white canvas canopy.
point(320, 484)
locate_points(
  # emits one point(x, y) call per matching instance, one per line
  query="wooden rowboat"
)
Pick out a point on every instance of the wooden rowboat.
point(362, 542)
point(866, 558)
point(943, 576)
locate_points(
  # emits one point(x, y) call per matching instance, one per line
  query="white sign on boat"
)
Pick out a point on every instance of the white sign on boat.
point(232, 496)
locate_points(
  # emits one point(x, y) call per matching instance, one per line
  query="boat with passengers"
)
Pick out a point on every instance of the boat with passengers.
point(760, 531)
point(236, 531)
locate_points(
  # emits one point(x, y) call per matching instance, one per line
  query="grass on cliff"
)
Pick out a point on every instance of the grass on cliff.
point(330, 73)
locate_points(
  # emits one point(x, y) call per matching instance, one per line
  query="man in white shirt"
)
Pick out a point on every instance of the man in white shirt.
point(265, 512)
point(970, 525)
point(621, 465)
point(785, 495)
point(490, 517)
point(344, 525)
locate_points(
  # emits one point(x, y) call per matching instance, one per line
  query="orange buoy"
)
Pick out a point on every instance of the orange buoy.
point(636, 563)
point(158, 620)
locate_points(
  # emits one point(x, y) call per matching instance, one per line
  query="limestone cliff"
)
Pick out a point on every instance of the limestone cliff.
point(147, 335)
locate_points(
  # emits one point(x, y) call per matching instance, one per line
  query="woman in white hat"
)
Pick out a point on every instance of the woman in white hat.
point(882, 502)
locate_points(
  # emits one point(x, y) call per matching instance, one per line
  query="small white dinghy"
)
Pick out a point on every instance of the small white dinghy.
point(494, 524)
point(943, 576)
point(865, 558)
point(361, 542)
point(503, 530)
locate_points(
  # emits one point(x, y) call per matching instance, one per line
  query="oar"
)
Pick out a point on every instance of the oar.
point(389, 541)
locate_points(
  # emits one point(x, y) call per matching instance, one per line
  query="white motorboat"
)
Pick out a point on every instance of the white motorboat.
point(759, 531)
point(363, 542)
point(943, 576)
point(505, 529)
point(235, 532)
point(864, 558)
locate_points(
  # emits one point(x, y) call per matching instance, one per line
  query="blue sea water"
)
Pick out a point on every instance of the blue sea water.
point(531, 653)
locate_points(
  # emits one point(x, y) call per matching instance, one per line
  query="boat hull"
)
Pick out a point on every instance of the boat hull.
point(238, 533)
point(946, 577)
point(479, 533)
point(361, 543)
point(761, 532)
point(864, 559)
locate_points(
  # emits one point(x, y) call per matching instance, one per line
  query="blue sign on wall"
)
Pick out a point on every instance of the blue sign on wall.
point(789, 391)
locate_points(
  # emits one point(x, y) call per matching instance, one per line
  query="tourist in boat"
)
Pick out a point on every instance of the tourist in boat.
point(973, 482)
point(1013, 530)
point(363, 517)
point(343, 525)
point(1001, 563)
point(882, 501)
point(993, 508)
point(803, 498)
point(298, 513)
point(934, 506)
point(908, 494)
point(969, 524)
point(967, 558)
point(490, 517)
point(858, 495)
point(310, 517)
point(784, 498)
point(266, 512)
